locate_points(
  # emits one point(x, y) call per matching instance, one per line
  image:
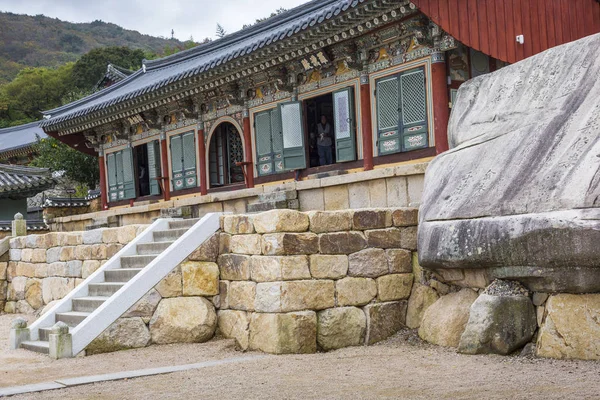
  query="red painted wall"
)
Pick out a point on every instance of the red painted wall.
point(491, 26)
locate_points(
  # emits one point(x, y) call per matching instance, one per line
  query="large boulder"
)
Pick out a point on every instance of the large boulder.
point(124, 333)
point(499, 323)
point(571, 327)
point(183, 320)
point(444, 321)
point(518, 193)
point(341, 327)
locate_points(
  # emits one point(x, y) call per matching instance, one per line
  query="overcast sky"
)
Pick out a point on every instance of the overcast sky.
point(197, 18)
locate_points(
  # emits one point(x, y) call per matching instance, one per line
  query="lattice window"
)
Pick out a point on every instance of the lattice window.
point(387, 103)
point(291, 117)
point(414, 97)
point(176, 153)
point(127, 166)
point(342, 116)
point(152, 159)
point(277, 137)
point(189, 151)
point(111, 167)
point(119, 166)
point(262, 124)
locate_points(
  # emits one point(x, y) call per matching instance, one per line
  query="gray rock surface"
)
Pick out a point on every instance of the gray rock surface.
point(498, 325)
point(519, 190)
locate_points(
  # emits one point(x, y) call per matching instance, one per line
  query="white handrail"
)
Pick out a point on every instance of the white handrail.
point(143, 282)
point(47, 320)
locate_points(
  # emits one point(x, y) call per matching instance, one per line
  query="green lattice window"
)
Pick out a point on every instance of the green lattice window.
point(121, 179)
point(402, 112)
point(269, 142)
point(183, 160)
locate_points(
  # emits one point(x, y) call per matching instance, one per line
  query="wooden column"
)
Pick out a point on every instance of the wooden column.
point(441, 113)
point(164, 158)
point(248, 151)
point(103, 186)
point(202, 160)
point(367, 128)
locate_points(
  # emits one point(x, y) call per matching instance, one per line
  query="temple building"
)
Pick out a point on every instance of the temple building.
point(330, 87)
point(17, 143)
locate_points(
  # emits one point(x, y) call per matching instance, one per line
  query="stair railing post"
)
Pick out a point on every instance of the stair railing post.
point(60, 341)
point(19, 333)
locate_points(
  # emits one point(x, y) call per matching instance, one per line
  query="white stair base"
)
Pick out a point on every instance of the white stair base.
point(109, 292)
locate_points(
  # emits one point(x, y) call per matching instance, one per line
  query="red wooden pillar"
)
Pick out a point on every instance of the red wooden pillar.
point(164, 158)
point(441, 113)
point(367, 128)
point(248, 151)
point(202, 159)
point(103, 187)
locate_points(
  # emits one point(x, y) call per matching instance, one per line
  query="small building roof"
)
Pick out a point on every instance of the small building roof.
point(19, 181)
point(113, 74)
point(18, 140)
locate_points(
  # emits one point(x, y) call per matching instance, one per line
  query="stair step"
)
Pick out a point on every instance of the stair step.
point(104, 288)
point(88, 304)
point(183, 223)
point(38, 346)
point(169, 234)
point(72, 318)
point(152, 248)
point(139, 261)
point(120, 274)
point(44, 334)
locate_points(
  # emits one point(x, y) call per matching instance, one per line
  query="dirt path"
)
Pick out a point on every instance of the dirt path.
point(402, 367)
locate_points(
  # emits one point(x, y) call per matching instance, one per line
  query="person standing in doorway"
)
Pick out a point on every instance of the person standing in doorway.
point(324, 142)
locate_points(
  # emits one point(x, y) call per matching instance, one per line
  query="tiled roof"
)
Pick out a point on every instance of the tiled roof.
point(23, 181)
point(32, 225)
point(18, 137)
point(113, 74)
point(162, 72)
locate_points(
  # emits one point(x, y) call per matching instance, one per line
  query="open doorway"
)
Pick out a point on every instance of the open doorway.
point(226, 149)
point(147, 159)
point(320, 125)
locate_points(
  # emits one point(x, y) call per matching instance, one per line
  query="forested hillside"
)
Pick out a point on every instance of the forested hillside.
point(40, 41)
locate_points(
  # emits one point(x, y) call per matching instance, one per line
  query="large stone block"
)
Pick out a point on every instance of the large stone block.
point(295, 296)
point(171, 285)
point(33, 293)
point(90, 237)
point(330, 221)
point(38, 256)
point(238, 224)
point(207, 251)
point(355, 291)
point(409, 238)
point(498, 325)
point(394, 287)
point(290, 243)
point(200, 278)
point(323, 266)
point(384, 320)
point(342, 242)
point(245, 244)
point(571, 327)
point(372, 219)
point(384, 238)
point(444, 321)
point(311, 200)
point(279, 268)
point(83, 252)
point(26, 255)
point(369, 263)
point(26, 269)
point(52, 254)
point(336, 197)
point(291, 333)
point(399, 260)
point(183, 320)
point(15, 254)
point(146, 306)
point(517, 193)
point(89, 267)
point(397, 195)
point(235, 325)
point(123, 334)
point(3, 268)
point(110, 235)
point(241, 295)
point(341, 327)
point(234, 267)
point(420, 299)
point(55, 288)
point(127, 233)
point(405, 216)
point(281, 221)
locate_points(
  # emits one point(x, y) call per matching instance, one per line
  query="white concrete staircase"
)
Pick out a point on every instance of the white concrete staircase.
point(123, 280)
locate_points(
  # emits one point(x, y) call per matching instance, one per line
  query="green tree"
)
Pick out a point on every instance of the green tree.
point(35, 90)
point(91, 67)
point(221, 32)
point(76, 165)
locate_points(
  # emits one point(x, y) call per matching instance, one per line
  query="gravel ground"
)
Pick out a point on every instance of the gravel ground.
point(401, 367)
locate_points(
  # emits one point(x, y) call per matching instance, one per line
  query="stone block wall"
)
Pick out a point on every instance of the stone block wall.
point(39, 269)
point(296, 282)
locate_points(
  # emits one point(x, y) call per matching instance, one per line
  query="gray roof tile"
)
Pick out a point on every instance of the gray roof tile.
point(20, 136)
